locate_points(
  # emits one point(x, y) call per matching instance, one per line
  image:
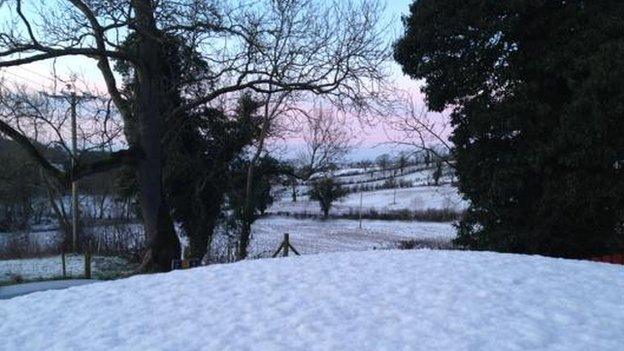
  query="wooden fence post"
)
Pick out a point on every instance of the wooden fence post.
point(285, 247)
point(286, 244)
point(63, 263)
point(88, 262)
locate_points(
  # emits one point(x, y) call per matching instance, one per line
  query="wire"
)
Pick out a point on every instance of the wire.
point(26, 79)
point(36, 73)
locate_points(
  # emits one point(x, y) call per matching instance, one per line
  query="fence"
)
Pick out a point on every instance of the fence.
point(61, 266)
point(285, 246)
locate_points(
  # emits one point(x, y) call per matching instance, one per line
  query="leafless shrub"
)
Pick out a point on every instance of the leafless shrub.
point(432, 244)
point(16, 279)
point(22, 245)
point(118, 238)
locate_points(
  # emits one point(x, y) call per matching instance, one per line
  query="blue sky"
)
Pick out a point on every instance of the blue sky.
point(35, 74)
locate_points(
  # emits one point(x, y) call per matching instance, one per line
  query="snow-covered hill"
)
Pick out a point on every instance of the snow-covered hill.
point(378, 300)
point(414, 199)
point(310, 236)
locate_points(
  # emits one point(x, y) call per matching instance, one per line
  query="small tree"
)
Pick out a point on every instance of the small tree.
point(327, 140)
point(366, 164)
point(326, 191)
point(383, 161)
point(402, 161)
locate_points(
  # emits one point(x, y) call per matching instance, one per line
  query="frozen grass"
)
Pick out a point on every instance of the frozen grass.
point(35, 269)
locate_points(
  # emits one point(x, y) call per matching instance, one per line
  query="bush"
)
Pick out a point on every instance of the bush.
point(326, 191)
point(432, 244)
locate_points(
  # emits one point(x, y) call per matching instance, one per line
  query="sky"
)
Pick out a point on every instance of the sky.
point(372, 138)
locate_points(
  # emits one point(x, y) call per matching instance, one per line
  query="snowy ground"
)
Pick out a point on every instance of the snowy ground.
point(414, 199)
point(409, 173)
point(11, 291)
point(51, 267)
point(315, 236)
point(376, 300)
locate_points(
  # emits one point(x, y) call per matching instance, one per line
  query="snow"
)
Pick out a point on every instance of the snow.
point(375, 300)
point(360, 175)
point(417, 198)
point(51, 267)
point(311, 236)
point(8, 292)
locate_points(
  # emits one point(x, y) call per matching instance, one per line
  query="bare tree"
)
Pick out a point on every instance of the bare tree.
point(366, 164)
point(402, 161)
point(269, 47)
point(272, 109)
point(46, 122)
point(412, 125)
point(383, 161)
point(326, 140)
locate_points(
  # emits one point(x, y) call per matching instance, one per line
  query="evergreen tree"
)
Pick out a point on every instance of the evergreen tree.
point(537, 102)
point(266, 174)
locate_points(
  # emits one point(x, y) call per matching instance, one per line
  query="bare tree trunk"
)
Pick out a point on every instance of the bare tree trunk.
point(59, 211)
point(200, 237)
point(150, 105)
point(248, 209)
point(198, 244)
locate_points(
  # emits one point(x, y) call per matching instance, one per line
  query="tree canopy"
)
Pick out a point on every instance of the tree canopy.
point(326, 191)
point(536, 100)
point(268, 47)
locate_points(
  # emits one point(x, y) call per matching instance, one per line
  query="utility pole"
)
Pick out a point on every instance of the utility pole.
point(361, 198)
point(73, 100)
point(74, 185)
point(395, 191)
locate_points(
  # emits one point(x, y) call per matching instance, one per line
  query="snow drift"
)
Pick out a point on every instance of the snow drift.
point(378, 300)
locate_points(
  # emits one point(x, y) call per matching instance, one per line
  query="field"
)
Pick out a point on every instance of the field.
point(311, 236)
point(309, 233)
point(419, 198)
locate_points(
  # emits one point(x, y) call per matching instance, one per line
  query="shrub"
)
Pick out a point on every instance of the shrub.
point(326, 191)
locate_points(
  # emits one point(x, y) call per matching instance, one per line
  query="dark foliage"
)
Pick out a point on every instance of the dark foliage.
point(266, 174)
point(197, 169)
point(200, 147)
point(537, 103)
point(326, 191)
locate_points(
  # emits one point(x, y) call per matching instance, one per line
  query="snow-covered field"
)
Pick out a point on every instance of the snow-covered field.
point(375, 300)
point(51, 267)
point(315, 236)
point(444, 197)
point(359, 175)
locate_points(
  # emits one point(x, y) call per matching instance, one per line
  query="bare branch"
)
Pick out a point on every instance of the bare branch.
point(412, 125)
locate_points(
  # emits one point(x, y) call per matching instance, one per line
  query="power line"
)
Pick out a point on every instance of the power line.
point(25, 79)
point(36, 73)
point(54, 80)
